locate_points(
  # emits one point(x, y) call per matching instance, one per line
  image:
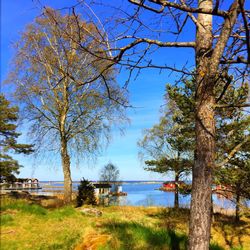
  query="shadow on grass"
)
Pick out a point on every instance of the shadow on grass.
point(180, 213)
point(230, 230)
point(170, 218)
point(132, 235)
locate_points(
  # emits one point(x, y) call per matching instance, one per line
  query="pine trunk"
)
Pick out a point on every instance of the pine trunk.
point(237, 207)
point(66, 171)
point(200, 214)
point(176, 193)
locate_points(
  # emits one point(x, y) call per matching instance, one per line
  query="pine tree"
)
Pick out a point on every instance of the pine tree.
point(235, 173)
point(8, 141)
point(171, 142)
point(86, 194)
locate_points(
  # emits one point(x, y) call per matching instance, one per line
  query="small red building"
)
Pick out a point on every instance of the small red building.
point(171, 185)
point(221, 187)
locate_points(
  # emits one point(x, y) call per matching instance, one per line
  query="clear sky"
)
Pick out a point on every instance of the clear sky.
point(146, 93)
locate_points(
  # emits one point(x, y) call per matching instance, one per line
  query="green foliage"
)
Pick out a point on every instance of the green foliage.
point(233, 143)
point(86, 194)
point(8, 141)
point(171, 142)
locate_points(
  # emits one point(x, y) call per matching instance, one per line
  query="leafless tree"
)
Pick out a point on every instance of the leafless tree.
point(51, 74)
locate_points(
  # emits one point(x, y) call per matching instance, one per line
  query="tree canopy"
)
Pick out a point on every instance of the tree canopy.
point(67, 107)
point(169, 145)
point(8, 141)
point(109, 173)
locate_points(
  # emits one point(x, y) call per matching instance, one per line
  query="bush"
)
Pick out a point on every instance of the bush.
point(86, 194)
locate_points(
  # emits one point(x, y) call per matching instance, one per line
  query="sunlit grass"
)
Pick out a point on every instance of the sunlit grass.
point(23, 206)
point(25, 225)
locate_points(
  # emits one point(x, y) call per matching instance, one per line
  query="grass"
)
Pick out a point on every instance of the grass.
point(23, 206)
point(133, 235)
point(25, 225)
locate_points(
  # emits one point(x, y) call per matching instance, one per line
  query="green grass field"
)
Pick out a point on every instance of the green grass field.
point(25, 225)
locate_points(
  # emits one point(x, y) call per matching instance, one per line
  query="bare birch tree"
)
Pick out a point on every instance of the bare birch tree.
point(51, 74)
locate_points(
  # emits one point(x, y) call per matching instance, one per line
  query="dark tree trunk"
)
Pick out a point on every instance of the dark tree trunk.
point(207, 63)
point(200, 214)
point(176, 192)
point(66, 171)
point(237, 207)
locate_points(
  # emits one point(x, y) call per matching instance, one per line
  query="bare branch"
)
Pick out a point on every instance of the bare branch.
point(182, 7)
point(154, 42)
point(246, 26)
point(224, 36)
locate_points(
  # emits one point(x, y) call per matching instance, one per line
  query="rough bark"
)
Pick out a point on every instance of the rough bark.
point(66, 171)
point(237, 207)
point(207, 63)
point(200, 215)
point(176, 192)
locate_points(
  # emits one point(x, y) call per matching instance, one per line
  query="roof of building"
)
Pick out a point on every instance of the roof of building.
point(173, 182)
point(102, 185)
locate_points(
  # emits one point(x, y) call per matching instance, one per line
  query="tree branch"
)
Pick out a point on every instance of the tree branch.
point(224, 36)
point(245, 22)
point(154, 42)
point(232, 153)
point(232, 105)
point(182, 7)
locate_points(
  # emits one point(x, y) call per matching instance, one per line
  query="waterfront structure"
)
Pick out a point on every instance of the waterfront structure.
point(102, 188)
point(20, 184)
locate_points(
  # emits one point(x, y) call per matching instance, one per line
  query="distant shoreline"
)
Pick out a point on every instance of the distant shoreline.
point(123, 182)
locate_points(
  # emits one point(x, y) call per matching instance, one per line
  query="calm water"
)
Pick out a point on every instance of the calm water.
point(147, 194)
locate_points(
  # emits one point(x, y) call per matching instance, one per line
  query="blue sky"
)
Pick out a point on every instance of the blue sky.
point(146, 92)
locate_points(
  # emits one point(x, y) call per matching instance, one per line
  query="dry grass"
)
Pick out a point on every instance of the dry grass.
point(30, 226)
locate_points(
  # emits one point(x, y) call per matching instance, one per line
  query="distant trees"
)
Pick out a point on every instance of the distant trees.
point(8, 140)
point(109, 173)
point(66, 98)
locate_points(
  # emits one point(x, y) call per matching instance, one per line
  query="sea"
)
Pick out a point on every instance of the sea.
point(143, 193)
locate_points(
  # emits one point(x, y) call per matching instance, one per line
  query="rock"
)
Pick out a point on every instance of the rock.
point(20, 194)
point(91, 211)
point(51, 203)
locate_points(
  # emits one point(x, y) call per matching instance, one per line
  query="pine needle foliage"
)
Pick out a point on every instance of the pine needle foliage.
point(86, 194)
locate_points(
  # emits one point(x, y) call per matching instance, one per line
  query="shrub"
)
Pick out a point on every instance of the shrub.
point(86, 194)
